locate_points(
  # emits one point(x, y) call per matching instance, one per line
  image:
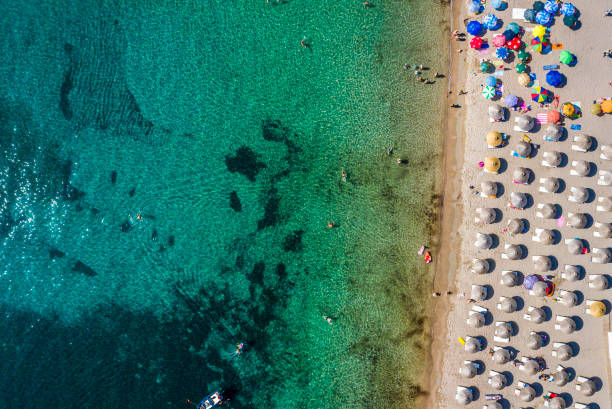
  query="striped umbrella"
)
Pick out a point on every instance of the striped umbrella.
point(490, 21)
point(543, 18)
point(501, 53)
point(568, 9)
point(538, 43)
point(551, 6)
point(488, 92)
point(539, 94)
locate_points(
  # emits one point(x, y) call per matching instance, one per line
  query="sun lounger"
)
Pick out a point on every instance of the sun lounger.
point(560, 368)
point(558, 344)
point(573, 171)
point(601, 208)
point(478, 308)
point(605, 178)
point(581, 379)
point(578, 405)
point(518, 14)
point(539, 213)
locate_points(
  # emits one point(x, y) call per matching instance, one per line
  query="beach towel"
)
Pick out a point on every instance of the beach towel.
point(550, 67)
point(557, 46)
point(561, 221)
point(483, 51)
point(576, 127)
point(542, 118)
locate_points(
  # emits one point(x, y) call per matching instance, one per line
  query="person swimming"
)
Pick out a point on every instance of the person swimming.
point(328, 319)
point(239, 348)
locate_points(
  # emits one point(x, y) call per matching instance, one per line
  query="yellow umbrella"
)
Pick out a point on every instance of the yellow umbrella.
point(606, 106)
point(568, 109)
point(539, 31)
point(524, 80)
point(492, 164)
point(596, 109)
point(494, 138)
point(597, 309)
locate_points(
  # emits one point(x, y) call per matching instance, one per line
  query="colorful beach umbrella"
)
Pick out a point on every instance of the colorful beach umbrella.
point(514, 27)
point(521, 67)
point(606, 106)
point(554, 78)
point(596, 109)
point(538, 44)
point(539, 94)
point(570, 20)
point(474, 7)
point(551, 6)
point(497, 4)
point(490, 21)
point(568, 9)
point(511, 100)
point(488, 92)
point(499, 40)
point(490, 81)
point(530, 280)
point(486, 67)
point(553, 116)
point(566, 57)
point(568, 109)
point(529, 15)
point(543, 17)
point(476, 43)
point(474, 28)
point(524, 79)
point(515, 43)
point(522, 55)
point(539, 31)
point(501, 53)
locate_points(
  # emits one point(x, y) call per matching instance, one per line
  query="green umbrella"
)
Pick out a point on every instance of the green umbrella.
point(566, 57)
point(596, 109)
point(488, 92)
point(522, 55)
point(521, 67)
point(515, 28)
point(486, 67)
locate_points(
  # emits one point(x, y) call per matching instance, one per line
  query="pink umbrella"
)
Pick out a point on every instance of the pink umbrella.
point(499, 40)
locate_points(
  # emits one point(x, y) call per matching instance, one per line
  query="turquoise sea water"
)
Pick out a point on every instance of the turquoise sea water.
point(167, 174)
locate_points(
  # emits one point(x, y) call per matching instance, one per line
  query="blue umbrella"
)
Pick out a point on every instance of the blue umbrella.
point(474, 7)
point(490, 81)
point(543, 18)
point(497, 4)
point(554, 78)
point(511, 100)
point(551, 6)
point(490, 21)
point(515, 28)
point(530, 280)
point(568, 9)
point(474, 28)
point(509, 34)
point(530, 15)
point(501, 53)
point(538, 5)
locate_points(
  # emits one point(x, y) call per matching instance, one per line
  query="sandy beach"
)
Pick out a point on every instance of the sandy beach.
point(504, 306)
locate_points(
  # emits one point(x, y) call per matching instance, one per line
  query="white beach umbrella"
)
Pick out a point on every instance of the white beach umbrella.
point(548, 210)
point(523, 149)
point(568, 325)
point(468, 370)
point(476, 320)
point(539, 288)
point(483, 241)
point(487, 214)
point(534, 341)
point(546, 236)
point(553, 132)
point(488, 188)
point(508, 305)
point(521, 175)
point(564, 352)
point(525, 123)
point(480, 266)
point(601, 255)
point(493, 405)
point(603, 230)
point(537, 315)
point(527, 394)
point(552, 159)
point(583, 142)
point(561, 377)
point(605, 203)
point(518, 200)
point(576, 220)
point(599, 282)
point(510, 279)
point(557, 403)
point(479, 293)
point(530, 367)
point(498, 381)
point(569, 299)
point(472, 345)
point(464, 397)
point(542, 264)
point(513, 251)
point(572, 273)
point(578, 194)
point(581, 168)
point(606, 152)
point(550, 185)
point(588, 388)
point(501, 356)
point(575, 246)
point(503, 330)
point(515, 226)
point(496, 112)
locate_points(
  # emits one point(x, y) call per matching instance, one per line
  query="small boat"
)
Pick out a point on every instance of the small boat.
point(211, 401)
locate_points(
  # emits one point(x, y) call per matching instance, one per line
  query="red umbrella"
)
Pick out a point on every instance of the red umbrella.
point(515, 43)
point(476, 43)
point(553, 116)
point(499, 40)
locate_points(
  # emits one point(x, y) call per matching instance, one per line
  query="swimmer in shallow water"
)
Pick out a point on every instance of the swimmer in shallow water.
point(328, 319)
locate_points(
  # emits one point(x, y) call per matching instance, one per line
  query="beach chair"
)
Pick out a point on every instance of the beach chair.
point(577, 147)
point(501, 299)
point(518, 14)
point(538, 212)
point(588, 303)
point(579, 405)
point(536, 236)
point(598, 226)
point(573, 171)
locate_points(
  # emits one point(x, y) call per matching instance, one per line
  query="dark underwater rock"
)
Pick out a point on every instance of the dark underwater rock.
point(81, 267)
point(244, 162)
point(293, 241)
point(235, 203)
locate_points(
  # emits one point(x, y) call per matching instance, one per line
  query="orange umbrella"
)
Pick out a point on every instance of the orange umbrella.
point(606, 106)
point(553, 116)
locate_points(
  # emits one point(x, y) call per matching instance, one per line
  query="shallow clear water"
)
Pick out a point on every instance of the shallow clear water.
point(167, 173)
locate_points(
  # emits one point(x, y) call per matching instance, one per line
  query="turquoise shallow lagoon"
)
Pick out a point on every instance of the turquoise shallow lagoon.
point(167, 174)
